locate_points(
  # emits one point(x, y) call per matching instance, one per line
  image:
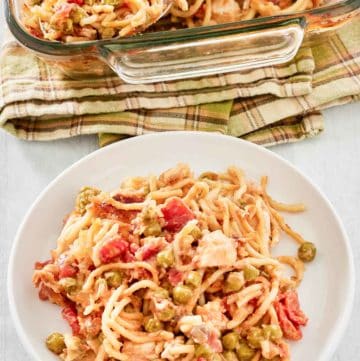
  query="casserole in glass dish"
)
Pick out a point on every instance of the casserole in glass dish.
point(186, 53)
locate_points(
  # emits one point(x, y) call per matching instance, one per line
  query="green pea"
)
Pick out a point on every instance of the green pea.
point(244, 352)
point(234, 282)
point(196, 233)
point(55, 343)
point(193, 279)
point(203, 350)
point(182, 294)
point(70, 284)
point(272, 332)
point(161, 293)
point(85, 197)
point(230, 340)
point(114, 278)
point(167, 314)
point(165, 258)
point(250, 273)
point(307, 252)
point(230, 356)
point(153, 325)
point(153, 229)
point(255, 336)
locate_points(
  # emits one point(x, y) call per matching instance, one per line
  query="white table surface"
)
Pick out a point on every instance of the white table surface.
point(331, 160)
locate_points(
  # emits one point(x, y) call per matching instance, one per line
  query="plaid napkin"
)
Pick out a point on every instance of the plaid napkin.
point(267, 106)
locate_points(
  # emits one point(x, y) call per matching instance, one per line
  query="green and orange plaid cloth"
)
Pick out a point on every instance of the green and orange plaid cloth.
point(267, 106)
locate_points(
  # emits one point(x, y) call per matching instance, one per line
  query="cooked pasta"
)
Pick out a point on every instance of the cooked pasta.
point(82, 20)
point(175, 267)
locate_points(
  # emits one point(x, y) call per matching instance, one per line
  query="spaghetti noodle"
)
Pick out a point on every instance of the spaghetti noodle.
point(143, 274)
point(82, 20)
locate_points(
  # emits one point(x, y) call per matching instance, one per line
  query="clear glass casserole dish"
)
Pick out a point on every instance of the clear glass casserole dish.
point(187, 53)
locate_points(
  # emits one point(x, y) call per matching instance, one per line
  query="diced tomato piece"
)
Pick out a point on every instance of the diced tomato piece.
point(70, 316)
point(107, 211)
point(175, 276)
point(118, 249)
point(67, 271)
point(201, 359)
point(41, 265)
point(291, 331)
point(292, 307)
point(78, 2)
point(129, 199)
point(176, 215)
point(149, 251)
point(290, 315)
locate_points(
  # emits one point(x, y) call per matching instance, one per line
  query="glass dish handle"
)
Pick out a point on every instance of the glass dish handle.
point(227, 51)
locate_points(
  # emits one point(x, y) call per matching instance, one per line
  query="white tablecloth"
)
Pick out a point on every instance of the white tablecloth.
point(332, 161)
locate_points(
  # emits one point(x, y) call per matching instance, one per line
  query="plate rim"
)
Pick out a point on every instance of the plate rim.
point(344, 314)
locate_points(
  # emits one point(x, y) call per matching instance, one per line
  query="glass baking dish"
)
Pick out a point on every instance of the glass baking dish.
point(187, 53)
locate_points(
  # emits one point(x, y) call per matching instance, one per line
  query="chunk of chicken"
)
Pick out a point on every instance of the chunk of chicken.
point(216, 250)
point(186, 323)
point(213, 312)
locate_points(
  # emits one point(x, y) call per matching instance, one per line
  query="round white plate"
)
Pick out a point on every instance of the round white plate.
point(326, 293)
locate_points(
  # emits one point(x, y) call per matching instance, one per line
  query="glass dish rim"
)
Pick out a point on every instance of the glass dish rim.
point(340, 8)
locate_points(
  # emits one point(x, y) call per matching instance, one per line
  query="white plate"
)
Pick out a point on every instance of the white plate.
point(326, 293)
